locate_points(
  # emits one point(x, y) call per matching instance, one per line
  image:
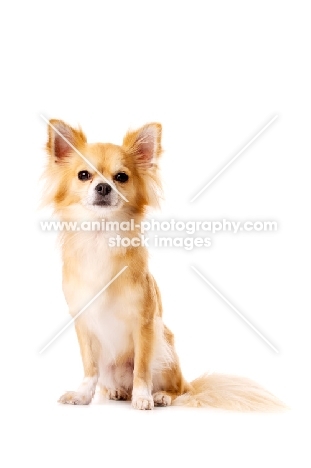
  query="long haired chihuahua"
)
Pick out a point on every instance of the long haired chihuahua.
point(126, 349)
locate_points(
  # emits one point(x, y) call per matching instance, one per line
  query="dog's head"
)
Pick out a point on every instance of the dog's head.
point(102, 179)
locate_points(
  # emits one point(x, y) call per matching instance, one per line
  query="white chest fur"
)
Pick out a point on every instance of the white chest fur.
point(90, 269)
point(109, 317)
point(111, 328)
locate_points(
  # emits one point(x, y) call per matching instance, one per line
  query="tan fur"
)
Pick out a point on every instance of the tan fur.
point(229, 392)
point(125, 347)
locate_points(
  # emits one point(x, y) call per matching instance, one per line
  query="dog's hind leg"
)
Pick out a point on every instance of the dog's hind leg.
point(116, 382)
point(169, 383)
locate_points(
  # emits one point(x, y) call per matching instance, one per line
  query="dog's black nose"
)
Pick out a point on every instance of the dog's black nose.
point(103, 189)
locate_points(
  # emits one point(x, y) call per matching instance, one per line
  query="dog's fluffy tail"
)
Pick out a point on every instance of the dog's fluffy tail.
point(230, 393)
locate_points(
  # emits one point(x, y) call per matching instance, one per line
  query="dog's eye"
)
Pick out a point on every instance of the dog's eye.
point(84, 175)
point(121, 177)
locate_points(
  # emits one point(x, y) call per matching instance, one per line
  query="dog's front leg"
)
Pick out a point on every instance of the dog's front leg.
point(143, 348)
point(89, 354)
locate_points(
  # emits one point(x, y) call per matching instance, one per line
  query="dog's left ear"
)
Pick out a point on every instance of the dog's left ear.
point(144, 145)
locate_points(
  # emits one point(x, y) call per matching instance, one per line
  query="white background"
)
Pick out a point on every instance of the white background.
point(213, 73)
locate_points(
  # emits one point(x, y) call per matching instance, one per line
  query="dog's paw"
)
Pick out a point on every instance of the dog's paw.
point(161, 399)
point(142, 402)
point(75, 398)
point(117, 394)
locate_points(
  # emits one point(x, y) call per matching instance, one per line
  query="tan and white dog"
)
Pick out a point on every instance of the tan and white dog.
point(126, 348)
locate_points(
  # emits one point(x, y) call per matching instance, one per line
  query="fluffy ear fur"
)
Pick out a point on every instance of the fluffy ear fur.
point(60, 138)
point(144, 144)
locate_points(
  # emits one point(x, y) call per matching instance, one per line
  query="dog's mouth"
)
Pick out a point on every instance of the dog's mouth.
point(102, 203)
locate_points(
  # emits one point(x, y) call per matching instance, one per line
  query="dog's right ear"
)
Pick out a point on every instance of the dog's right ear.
point(62, 139)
